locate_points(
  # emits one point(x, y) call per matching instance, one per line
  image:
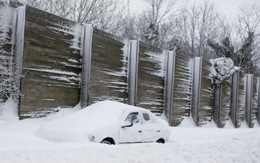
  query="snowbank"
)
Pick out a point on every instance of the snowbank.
point(18, 143)
point(8, 110)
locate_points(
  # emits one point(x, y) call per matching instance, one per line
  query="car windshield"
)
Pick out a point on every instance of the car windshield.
point(133, 117)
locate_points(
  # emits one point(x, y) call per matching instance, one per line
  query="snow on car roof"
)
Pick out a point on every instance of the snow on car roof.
point(76, 125)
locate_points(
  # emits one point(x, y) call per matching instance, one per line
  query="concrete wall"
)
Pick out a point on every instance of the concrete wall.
point(51, 62)
point(150, 79)
point(222, 101)
point(62, 63)
point(108, 75)
point(182, 89)
point(205, 108)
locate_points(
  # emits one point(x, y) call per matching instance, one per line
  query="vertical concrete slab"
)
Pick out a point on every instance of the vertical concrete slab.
point(182, 88)
point(222, 100)
point(51, 63)
point(150, 84)
point(108, 76)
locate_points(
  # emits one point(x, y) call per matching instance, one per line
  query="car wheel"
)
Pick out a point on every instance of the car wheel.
point(106, 142)
point(160, 141)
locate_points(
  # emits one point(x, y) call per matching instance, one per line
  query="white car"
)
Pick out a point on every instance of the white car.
point(107, 122)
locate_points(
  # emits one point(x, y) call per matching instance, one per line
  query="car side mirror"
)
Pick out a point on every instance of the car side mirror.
point(126, 124)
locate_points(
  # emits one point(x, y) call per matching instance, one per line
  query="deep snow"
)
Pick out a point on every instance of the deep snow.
point(18, 143)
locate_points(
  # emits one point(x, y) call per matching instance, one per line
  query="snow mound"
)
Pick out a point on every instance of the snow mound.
point(76, 126)
point(9, 111)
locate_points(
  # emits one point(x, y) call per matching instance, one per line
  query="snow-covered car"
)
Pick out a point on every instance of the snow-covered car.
point(107, 122)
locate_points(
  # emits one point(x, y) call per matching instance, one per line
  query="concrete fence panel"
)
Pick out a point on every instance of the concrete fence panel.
point(201, 104)
point(150, 80)
point(108, 72)
point(221, 100)
point(182, 89)
point(51, 62)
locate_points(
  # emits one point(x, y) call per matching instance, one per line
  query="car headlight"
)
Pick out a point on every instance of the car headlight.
point(91, 137)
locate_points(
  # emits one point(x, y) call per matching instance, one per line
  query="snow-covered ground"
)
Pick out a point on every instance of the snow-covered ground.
point(209, 144)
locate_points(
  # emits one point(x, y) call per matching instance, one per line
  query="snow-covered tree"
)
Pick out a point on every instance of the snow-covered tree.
point(7, 77)
point(242, 56)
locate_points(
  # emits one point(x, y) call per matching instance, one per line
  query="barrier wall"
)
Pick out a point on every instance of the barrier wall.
point(108, 76)
point(150, 78)
point(60, 63)
point(51, 63)
point(182, 88)
point(222, 101)
point(202, 93)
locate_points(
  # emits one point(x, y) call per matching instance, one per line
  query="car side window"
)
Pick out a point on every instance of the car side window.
point(133, 117)
point(147, 118)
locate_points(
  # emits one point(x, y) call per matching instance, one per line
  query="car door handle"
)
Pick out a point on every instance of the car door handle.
point(158, 130)
point(140, 131)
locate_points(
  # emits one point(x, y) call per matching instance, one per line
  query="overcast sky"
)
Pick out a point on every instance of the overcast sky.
point(227, 7)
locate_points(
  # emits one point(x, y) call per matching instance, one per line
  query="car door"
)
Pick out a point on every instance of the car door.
point(132, 134)
point(151, 130)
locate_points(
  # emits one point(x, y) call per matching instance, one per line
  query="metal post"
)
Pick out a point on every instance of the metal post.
point(248, 100)
point(133, 71)
point(169, 85)
point(18, 38)
point(86, 52)
point(197, 70)
point(234, 98)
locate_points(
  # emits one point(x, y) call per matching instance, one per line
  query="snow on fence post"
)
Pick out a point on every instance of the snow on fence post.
point(133, 71)
point(19, 27)
point(249, 99)
point(234, 98)
point(86, 51)
point(195, 102)
point(169, 83)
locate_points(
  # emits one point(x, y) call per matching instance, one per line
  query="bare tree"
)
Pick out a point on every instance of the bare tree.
point(194, 26)
point(104, 14)
point(152, 19)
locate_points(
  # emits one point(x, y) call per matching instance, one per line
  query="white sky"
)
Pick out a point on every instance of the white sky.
point(229, 8)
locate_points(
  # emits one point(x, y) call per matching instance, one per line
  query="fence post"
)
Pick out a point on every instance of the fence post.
point(234, 98)
point(249, 99)
point(18, 38)
point(169, 83)
point(195, 103)
point(86, 51)
point(133, 71)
